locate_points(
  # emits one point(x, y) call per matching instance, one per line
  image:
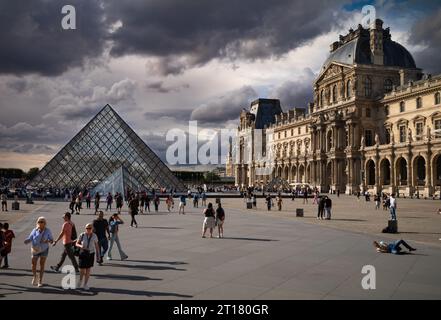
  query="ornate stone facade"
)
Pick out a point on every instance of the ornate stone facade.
point(375, 124)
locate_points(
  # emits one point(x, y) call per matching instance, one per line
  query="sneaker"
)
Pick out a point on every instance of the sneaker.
point(40, 285)
point(34, 281)
point(108, 258)
point(124, 258)
point(5, 267)
point(86, 288)
point(55, 269)
point(412, 249)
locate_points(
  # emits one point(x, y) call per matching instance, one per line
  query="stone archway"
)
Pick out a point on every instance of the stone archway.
point(308, 174)
point(301, 173)
point(279, 172)
point(385, 172)
point(419, 171)
point(286, 173)
point(370, 172)
point(401, 172)
point(436, 169)
point(293, 173)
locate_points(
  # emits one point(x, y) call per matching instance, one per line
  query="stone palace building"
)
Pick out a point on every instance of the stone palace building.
point(374, 125)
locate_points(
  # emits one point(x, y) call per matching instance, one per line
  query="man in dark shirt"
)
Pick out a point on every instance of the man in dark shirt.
point(101, 229)
point(321, 208)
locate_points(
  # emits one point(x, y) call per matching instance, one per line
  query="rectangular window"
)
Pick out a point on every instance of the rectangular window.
point(387, 136)
point(368, 112)
point(292, 132)
point(299, 130)
point(368, 138)
point(402, 106)
point(307, 129)
point(386, 110)
point(402, 133)
point(279, 135)
point(438, 128)
point(419, 131)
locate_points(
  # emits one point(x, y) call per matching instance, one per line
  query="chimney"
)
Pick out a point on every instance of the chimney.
point(376, 42)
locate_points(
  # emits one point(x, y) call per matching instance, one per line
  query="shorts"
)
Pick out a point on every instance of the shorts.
point(219, 222)
point(181, 205)
point(86, 261)
point(43, 254)
point(209, 222)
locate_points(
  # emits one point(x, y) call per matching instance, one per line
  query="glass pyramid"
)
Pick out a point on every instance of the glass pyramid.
point(120, 181)
point(102, 147)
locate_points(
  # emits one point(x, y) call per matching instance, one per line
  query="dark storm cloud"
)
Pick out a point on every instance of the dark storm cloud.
point(28, 148)
point(225, 108)
point(183, 34)
point(176, 114)
point(32, 40)
point(159, 86)
point(295, 93)
point(427, 32)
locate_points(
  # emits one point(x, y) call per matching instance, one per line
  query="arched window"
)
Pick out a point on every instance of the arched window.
point(419, 103)
point(437, 98)
point(402, 106)
point(388, 85)
point(334, 94)
point(367, 87)
point(348, 89)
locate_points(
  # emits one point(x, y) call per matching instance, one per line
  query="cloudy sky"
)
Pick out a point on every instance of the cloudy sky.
point(161, 63)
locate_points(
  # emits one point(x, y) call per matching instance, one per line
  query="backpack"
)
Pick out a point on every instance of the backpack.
point(74, 235)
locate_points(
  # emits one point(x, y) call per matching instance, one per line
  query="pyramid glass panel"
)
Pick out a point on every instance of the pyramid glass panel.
point(100, 149)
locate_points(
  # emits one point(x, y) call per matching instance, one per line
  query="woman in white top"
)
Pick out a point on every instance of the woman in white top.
point(88, 243)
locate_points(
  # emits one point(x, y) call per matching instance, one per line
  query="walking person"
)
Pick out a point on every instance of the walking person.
point(377, 201)
point(72, 205)
point(40, 237)
point(328, 207)
point(156, 203)
point(97, 201)
point(220, 219)
point(169, 202)
point(8, 235)
point(393, 206)
point(204, 199)
point(101, 229)
point(279, 201)
point(195, 200)
point(4, 199)
point(2, 243)
point(109, 201)
point(88, 244)
point(78, 204)
point(114, 222)
point(316, 196)
point(209, 221)
point(147, 203)
point(338, 193)
point(321, 208)
point(141, 203)
point(119, 202)
point(182, 203)
point(305, 196)
point(269, 202)
point(88, 198)
point(133, 210)
point(69, 235)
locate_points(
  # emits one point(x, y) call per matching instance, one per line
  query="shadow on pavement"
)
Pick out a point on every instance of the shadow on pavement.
point(412, 232)
point(143, 267)
point(123, 277)
point(165, 228)
point(248, 239)
point(141, 293)
point(158, 262)
point(48, 289)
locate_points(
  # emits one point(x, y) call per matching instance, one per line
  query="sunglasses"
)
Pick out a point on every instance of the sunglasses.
point(88, 228)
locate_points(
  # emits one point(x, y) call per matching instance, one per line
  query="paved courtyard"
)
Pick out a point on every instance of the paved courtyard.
point(263, 255)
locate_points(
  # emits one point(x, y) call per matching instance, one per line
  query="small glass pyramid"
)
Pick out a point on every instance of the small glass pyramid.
point(102, 147)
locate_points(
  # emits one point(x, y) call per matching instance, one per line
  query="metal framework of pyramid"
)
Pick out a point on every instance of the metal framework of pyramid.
point(120, 181)
point(102, 147)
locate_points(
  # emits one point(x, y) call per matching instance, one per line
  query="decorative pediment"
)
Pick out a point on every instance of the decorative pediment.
point(332, 70)
point(435, 115)
point(419, 118)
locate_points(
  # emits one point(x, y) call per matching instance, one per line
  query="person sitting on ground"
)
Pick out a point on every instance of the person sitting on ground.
point(394, 247)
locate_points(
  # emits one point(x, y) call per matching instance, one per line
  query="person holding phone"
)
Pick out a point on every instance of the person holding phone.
point(114, 222)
